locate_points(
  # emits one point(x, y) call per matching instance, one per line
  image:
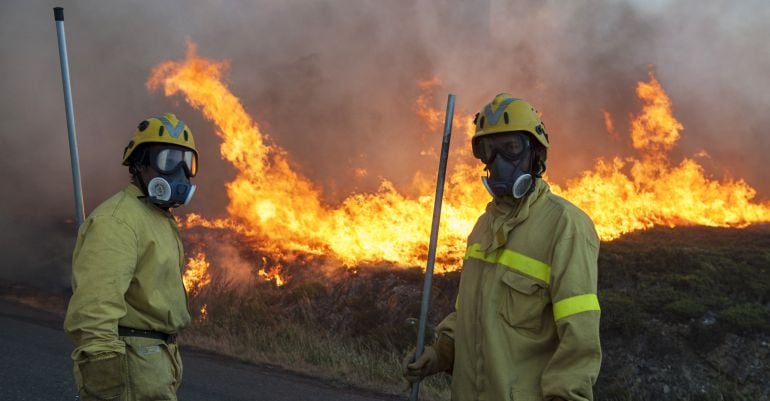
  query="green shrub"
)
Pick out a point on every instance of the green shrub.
point(621, 314)
point(747, 317)
point(685, 309)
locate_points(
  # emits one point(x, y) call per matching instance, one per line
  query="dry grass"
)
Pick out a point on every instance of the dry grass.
point(678, 305)
point(350, 327)
point(257, 325)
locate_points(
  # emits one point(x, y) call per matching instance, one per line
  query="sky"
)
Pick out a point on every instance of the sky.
point(334, 82)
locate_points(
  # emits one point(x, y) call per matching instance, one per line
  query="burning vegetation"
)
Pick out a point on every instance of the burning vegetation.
point(196, 275)
point(282, 212)
point(627, 194)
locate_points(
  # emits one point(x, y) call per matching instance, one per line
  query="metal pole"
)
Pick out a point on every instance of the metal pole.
point(450, 109)
point(58, 13)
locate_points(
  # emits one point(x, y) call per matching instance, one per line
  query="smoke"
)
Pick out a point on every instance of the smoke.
point(334, 83)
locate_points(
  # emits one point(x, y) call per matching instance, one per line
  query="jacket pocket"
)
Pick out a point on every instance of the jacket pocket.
point(522, 302)
point(176, 362)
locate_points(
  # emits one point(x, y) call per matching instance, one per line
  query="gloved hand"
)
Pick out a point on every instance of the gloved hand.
point(103, 377)
point(434, 359)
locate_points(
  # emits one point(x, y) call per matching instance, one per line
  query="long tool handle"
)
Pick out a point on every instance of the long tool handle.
point(450, 110)
point(65, 79)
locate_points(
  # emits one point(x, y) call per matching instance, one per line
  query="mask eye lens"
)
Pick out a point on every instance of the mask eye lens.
point(192, 162)
point(511, 147)
point(168, 160)
point(162, 160)
point(488, 151)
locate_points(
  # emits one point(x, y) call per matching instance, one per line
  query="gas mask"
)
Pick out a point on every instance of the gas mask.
point(508, 159)
point(170, 191)
point(174, 167)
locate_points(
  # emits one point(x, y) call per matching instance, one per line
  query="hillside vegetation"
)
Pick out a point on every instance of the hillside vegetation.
point(686, 316)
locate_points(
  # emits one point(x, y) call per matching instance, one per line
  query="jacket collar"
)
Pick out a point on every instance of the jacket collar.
point(506, 213)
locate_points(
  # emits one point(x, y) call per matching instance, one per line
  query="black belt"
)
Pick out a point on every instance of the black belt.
point(129, 332)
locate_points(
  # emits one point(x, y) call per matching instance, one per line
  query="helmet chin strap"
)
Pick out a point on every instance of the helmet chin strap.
point(137, 176)
point(137, 165)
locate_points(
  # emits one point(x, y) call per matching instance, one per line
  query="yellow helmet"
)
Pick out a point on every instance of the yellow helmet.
point(164, 129)
point(505, 114)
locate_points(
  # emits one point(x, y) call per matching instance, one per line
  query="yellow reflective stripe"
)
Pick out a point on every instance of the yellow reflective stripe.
point(512, 260)
point(574, 305)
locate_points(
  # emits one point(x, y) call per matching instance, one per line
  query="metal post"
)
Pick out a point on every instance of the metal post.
point(450, 109)
point(65, 78)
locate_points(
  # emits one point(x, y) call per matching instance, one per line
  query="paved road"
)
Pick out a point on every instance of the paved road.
point(35, 365)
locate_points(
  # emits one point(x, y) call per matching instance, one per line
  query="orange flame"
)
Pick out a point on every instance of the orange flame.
point(424, 104)
point(609, 125)
point(284, 211)
point(271, 202)
point(196, 275)
point(203, 313)
point(272, 273)
point(654, 192)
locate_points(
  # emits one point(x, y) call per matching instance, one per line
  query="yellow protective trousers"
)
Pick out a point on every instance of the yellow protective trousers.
point(151, 369)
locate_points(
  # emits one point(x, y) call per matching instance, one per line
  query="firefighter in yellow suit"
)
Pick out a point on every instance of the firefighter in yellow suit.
point(526, 319)
point(128, 300)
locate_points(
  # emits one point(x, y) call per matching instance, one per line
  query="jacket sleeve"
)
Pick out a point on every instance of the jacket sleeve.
point(102, 268)
point(447, 326)
point(574, 367)
point(445, 339)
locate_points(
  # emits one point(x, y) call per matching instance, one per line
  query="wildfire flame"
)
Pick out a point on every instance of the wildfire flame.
point(196, 275)
point(272, 273)
point(283, 210)
point(655, 192)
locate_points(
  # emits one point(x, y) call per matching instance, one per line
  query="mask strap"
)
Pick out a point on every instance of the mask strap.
point(536, 162)
point(142, 186)
point(141, 160)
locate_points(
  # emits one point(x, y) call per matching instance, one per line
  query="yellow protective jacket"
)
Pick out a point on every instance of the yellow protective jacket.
point(526, 324)
point(126, 270)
